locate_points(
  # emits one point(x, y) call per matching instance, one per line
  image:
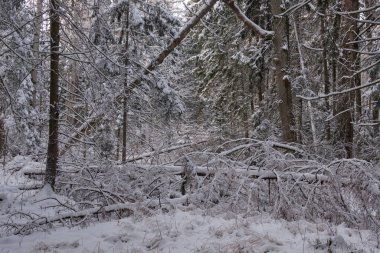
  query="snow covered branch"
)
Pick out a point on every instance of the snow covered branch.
point(153, 64)
point(340, 92)
point(249, 23)
point(178, 38)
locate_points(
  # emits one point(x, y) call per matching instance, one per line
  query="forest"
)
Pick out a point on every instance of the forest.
point(232, 126)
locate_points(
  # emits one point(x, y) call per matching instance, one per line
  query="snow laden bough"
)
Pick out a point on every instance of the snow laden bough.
point(241, 177)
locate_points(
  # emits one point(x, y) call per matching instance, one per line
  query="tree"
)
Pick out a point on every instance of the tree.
point(53, 145)
point(349, 64)
point(36, 49)
point(280, 59)
point(146, 68)
point(125, 95)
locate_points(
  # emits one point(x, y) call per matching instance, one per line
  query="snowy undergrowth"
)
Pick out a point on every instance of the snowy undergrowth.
point(191, 231)
point(18, 206)
point(240, 190)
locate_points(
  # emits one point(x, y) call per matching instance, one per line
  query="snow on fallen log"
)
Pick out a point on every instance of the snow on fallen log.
point(33, 171)
point(251, 172)
point(29, 187)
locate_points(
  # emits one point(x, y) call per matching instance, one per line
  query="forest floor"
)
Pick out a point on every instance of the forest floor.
point(182, 232)
point(180, 229)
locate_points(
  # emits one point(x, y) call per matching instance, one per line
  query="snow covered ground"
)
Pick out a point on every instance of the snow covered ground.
point(182, 232)
point(177, 230)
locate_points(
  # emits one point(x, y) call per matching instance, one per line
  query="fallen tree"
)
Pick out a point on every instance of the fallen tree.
point(242, 176)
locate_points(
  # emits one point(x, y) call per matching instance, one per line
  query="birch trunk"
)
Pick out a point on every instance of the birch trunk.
point(309, 105)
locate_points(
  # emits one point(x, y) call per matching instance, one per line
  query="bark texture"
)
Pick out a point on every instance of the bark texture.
point(125, 98)
point(347, 104)
point(53, 150)
point(36, 49)
point(280, 61)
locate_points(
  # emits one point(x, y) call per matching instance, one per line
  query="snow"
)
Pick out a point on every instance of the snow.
point(182, 231)
point(136, 17)
point(176, 229)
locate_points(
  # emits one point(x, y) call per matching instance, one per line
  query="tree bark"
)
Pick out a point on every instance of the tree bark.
point(53, 150)
point(2, 136)
point(346, 104)
point(125, 97)
point(282, 82)
point(375, 114)
point(36, 49)
point(303, 69)
point(325, 76)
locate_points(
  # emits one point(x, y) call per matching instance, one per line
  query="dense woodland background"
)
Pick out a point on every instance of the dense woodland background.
point(247, 105)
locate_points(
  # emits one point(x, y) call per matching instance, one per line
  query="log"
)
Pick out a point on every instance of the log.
point(29, 187)
point(251, 172)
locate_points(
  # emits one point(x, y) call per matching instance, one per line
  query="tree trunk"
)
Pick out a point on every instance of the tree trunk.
point(73, 69)
point(346, 104)
point(374, 101)
point(282, 82)
point(125, 105)
point(375, 113)
point(53, 151)
point(299, 120)
point(303, 69)
point(325, 75)
point(36, 49)
point(2, 136)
